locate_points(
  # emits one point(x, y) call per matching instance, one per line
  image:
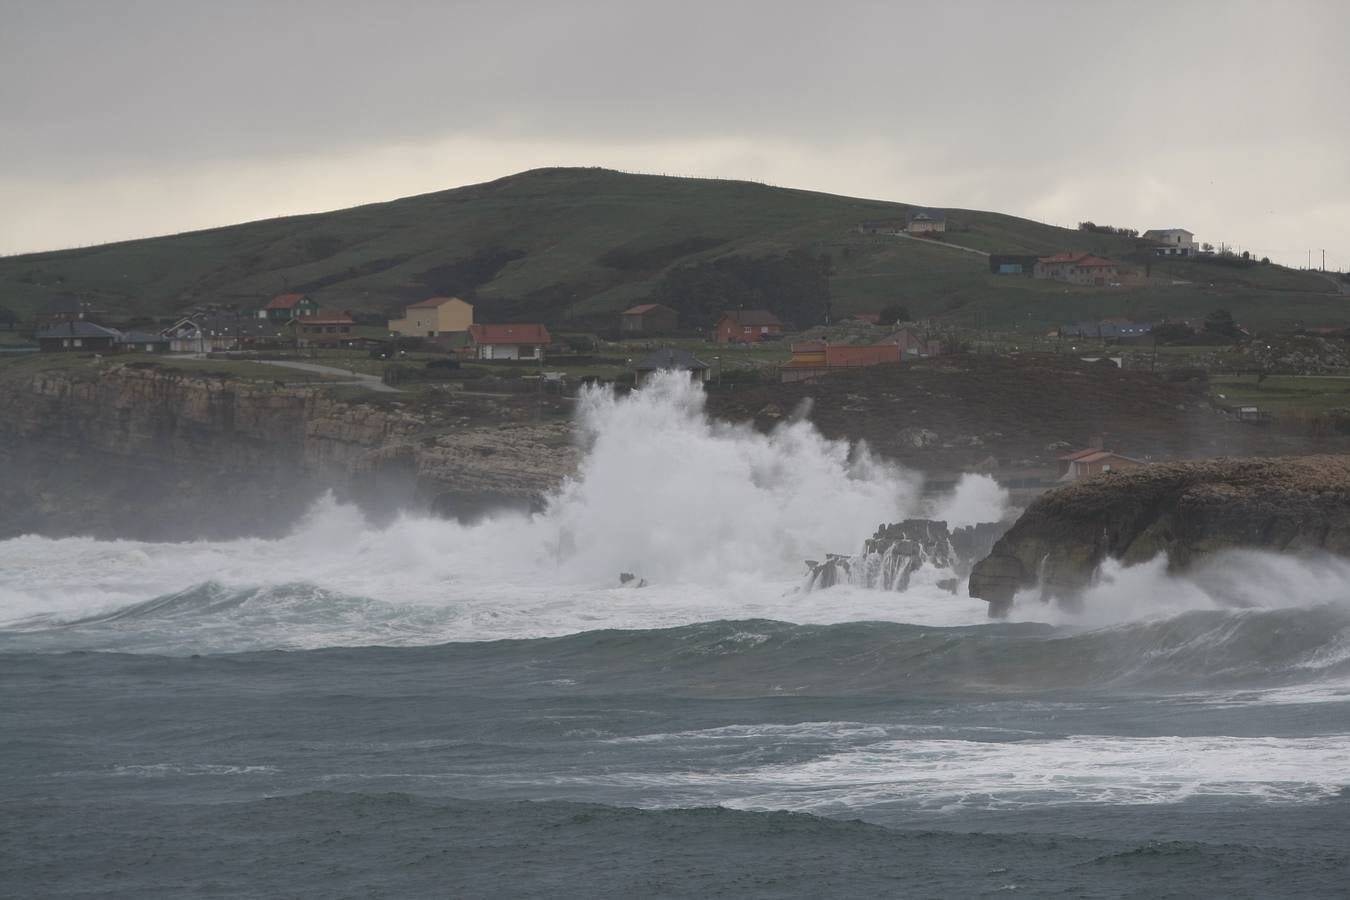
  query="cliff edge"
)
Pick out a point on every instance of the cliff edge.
point(1185, 509)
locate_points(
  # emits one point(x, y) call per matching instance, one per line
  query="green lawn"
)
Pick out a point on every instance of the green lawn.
point(1284, 393)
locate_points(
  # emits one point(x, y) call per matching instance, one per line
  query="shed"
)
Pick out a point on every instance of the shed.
point(648, 318)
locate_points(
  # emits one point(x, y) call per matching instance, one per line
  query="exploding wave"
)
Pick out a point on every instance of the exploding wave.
point(716, 518)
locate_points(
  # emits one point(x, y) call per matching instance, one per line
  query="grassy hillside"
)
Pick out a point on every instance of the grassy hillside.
point(566, 244)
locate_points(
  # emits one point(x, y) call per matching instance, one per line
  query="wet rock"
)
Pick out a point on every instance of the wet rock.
point(1186, 511)
point(895, 552)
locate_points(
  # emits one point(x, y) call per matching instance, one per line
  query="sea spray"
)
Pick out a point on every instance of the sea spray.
point(670, 495)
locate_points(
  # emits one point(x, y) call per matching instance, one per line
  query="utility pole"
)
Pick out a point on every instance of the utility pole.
point(1324, 259)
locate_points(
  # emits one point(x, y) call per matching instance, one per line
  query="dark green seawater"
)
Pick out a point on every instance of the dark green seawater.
point(1196, 756)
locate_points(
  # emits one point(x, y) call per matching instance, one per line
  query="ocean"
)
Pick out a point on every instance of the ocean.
point(429, 709)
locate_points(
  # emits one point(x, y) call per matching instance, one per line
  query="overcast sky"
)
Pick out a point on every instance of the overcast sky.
point(126, 118)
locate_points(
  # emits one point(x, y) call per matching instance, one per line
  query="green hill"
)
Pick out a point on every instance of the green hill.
point(576, 245)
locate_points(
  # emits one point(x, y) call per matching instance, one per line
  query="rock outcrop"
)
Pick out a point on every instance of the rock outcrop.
point(148, 452)
point(1184, 510)
point(895, 552)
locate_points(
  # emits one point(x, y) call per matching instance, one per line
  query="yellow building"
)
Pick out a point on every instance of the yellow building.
point(434, 317)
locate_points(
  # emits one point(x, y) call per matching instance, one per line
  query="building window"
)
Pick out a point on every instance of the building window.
point(748, 329)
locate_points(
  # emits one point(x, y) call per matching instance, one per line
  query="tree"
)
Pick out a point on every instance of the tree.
point(893, 313)
point(1220, 322)
point(1246, 254)
point(1207, 247)
point(1172, 333)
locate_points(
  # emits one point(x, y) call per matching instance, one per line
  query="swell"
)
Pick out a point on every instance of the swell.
point(1205, 648)
point(350, 844)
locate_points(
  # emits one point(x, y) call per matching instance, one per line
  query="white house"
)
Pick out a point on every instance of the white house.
point(1175, 241)
point(509, 341)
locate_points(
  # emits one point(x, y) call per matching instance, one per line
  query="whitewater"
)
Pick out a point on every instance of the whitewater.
point(410, 684)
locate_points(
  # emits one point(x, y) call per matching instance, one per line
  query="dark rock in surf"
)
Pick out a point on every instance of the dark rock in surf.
point(1185, 510)
point(892, 555)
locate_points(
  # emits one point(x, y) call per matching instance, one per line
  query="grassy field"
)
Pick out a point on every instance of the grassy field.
point(1284, 393)
point(558, 243)
point(236, 369)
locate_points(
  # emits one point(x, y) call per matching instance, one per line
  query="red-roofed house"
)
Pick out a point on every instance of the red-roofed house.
point(1094, 461)
point(746, 326)
point(434, 317)
point(1077, 268)
point(285, 307)
point(509, 341)
point(649, 318)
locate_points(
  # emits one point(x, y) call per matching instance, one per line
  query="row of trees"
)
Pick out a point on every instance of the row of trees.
point(1108, 229)
point(1218, 325)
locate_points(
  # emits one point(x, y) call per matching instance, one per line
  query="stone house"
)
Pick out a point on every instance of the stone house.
point(926, 221)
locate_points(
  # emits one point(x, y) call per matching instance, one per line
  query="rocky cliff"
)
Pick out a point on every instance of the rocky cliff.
point(144, 451)
point(1185, 510)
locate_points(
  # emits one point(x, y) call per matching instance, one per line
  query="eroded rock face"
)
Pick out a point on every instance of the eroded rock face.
point(144, 452)
point(1186, 510)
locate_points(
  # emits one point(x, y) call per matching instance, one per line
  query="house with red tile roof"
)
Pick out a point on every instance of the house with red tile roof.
point(746, 326)
point(514, 341)
point(1077, 268)
point(1094, 461)
point(648, 318)
point(284, 307)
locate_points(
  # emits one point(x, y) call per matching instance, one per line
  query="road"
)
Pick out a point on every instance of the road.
point(371, 382)
point(932, 243)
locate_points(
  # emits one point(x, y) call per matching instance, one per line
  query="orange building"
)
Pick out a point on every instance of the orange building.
point(811, 359)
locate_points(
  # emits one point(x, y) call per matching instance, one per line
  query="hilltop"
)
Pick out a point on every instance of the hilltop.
point(571, 246)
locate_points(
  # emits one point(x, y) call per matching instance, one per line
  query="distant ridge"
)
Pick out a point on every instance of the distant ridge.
point(572, 245)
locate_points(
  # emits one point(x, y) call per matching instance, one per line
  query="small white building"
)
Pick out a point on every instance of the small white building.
point(1174, 241)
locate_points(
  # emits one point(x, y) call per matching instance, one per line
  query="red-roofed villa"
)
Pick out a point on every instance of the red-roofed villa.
point(1078, 268)
point(525, 341)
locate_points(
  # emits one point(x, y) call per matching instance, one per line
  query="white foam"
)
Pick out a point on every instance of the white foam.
point(945, 774)
point(716, 518)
